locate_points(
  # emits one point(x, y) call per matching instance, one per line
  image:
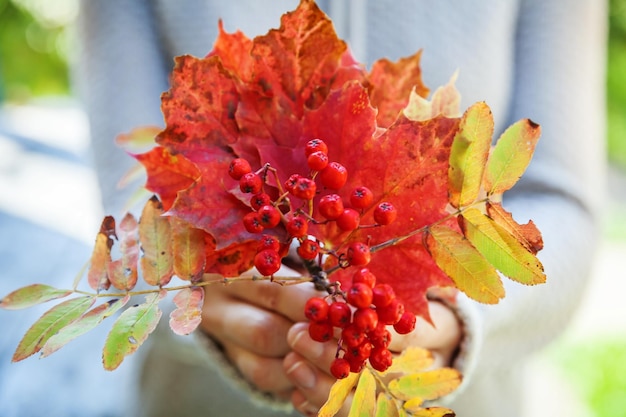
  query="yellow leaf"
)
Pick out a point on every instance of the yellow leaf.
point(386, 407)
point(469, 270)
point(433, 412)
point(338, 394)
point(412, 359)
point(364, 401)
point(426, 385)
point(502, 249)
point(188, 246)
point(468, 154)
point(511, 156)
point(155, 237)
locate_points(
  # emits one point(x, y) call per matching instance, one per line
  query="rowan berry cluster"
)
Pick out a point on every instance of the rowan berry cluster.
point(362, 315)
point(324, 178)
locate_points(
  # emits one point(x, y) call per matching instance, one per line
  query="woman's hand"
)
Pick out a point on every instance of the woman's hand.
point(307, 366)
point(251, 321)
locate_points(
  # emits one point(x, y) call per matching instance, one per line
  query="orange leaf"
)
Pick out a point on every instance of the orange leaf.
point(527, 234)
point(188, 313)
point(98, 275)
point(155, 237)
point(469, 270)
point(123, 272)
point(188, 246)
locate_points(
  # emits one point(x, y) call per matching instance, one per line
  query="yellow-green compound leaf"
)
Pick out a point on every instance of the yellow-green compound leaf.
point(507, 254)
point(527, 234)
point(49, 324)
point(338, 394)
point(469, 270)
point(386, 407)
point(31, 295)
point(425, 385)
point(130, 330)
point(123, 271)
point(468, 154)
point(413, 359)
point(82, 325)
point(188, 245)
point(364, 401)
point(155, 236)
point(187, 315)
point(511, 156)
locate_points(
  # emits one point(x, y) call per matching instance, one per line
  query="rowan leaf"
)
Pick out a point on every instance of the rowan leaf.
point(49, 324)
point(501, 248)
point(31, 295)
point(445, 101)
point(432, 412)
point(98, 275)
point(427, 385)
point(527, 234)
point(189, 247)
point(82, 325)
point(469, 270)
point(139, 139)
point(364, 401)
point(386, 407)
point(510, 156)
point(338, 394)
point(155, 236)
point(413, 359)
point(468, 154)
point(123, 272)
point(130, 330)
point(187, 315)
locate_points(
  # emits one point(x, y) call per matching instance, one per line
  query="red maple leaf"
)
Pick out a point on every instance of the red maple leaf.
point(262, 100)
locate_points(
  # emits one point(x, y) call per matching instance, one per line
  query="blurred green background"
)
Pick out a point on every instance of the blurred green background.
point(35, 40)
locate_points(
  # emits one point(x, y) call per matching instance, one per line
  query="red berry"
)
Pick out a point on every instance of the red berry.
point(297, 226)
point(365, 319)
point(334, 176)
point(406, 324)
point(268, 242)
point(308, 249)
point(380, 359)
point(356, 366)
point(382, 295)
point(291, 182)
point(358, 353)
point(267, 262)
point(339, 314)
point(349, 220)
point(359, 295)
point(250, 183)
point(252, 223)
point(330, 206)
point(358, 254)
point(391, 313)
point(269, 216)
point(238, 168)
point(320, 331)
point(361, 197)
point(352, 336)
point(315, 145)
point(380, 336)
point(304, 188)
point(385, 213)
point(316, 309)
point(259, 200)
point(340, 368)
point(317, 161)
point(365, 276)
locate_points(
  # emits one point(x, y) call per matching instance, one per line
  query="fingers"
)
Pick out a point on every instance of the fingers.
point(229, 320)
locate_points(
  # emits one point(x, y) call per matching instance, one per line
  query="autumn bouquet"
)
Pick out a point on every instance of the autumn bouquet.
point(285, 141)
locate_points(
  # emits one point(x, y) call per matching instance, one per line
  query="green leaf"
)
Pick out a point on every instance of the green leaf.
point(511, 156)
point(338, 394)
point(81, 326)
point(31, 295)
point(468, 154)
point(130, 330)
point(501, 248)
point(469, 270)
point(188, 245)
point(386, 407)
point(187, 315)
point(49, 324)
point(155, 237)
point(364, 401)
point(425, 385)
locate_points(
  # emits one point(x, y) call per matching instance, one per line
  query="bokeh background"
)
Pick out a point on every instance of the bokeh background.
point(49, 212)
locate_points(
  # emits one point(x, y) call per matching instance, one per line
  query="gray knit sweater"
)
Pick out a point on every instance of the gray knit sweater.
point(525, 58)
